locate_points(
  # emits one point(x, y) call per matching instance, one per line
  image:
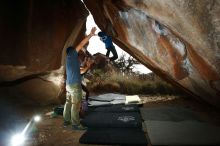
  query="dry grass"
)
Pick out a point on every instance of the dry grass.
point(129, 84)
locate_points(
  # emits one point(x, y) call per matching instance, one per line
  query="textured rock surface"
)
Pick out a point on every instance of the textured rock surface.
point(33, 35)
point(178, 40)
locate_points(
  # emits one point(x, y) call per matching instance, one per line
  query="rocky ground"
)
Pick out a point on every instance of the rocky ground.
point(49, 131)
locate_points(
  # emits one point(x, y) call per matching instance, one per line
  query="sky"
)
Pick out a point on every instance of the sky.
point(95, 45)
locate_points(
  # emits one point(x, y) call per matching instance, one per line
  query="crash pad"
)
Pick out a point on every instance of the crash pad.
point(114, 136)
point(182, 133)
point(103, 119)
point(167, 113)
point(115, 108)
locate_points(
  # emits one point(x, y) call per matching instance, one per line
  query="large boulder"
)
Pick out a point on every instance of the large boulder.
point(33, 35)
point(179, 40)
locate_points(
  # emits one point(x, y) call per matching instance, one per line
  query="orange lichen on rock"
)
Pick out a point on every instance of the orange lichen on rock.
point(176, 58)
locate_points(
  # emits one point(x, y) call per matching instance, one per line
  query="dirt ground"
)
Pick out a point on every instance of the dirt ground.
point(49, 131)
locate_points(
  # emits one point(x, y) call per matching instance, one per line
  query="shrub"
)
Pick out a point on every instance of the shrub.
point(129, 84)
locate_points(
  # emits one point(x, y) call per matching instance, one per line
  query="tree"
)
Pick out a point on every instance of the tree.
point(125, 64)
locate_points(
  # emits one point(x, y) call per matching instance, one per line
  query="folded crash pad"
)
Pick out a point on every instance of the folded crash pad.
point(113, 99)
point(107, 97)
point(94, 103)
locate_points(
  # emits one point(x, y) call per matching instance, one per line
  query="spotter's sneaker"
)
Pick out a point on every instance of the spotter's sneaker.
point(79, 127)
point(66, 124)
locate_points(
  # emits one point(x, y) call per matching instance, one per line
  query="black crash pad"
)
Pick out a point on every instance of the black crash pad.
point(102, 119)
point(168, 113)
point(114, 136)
point(115, 108)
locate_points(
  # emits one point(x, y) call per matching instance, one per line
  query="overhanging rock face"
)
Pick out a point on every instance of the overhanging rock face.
point(178, 40)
